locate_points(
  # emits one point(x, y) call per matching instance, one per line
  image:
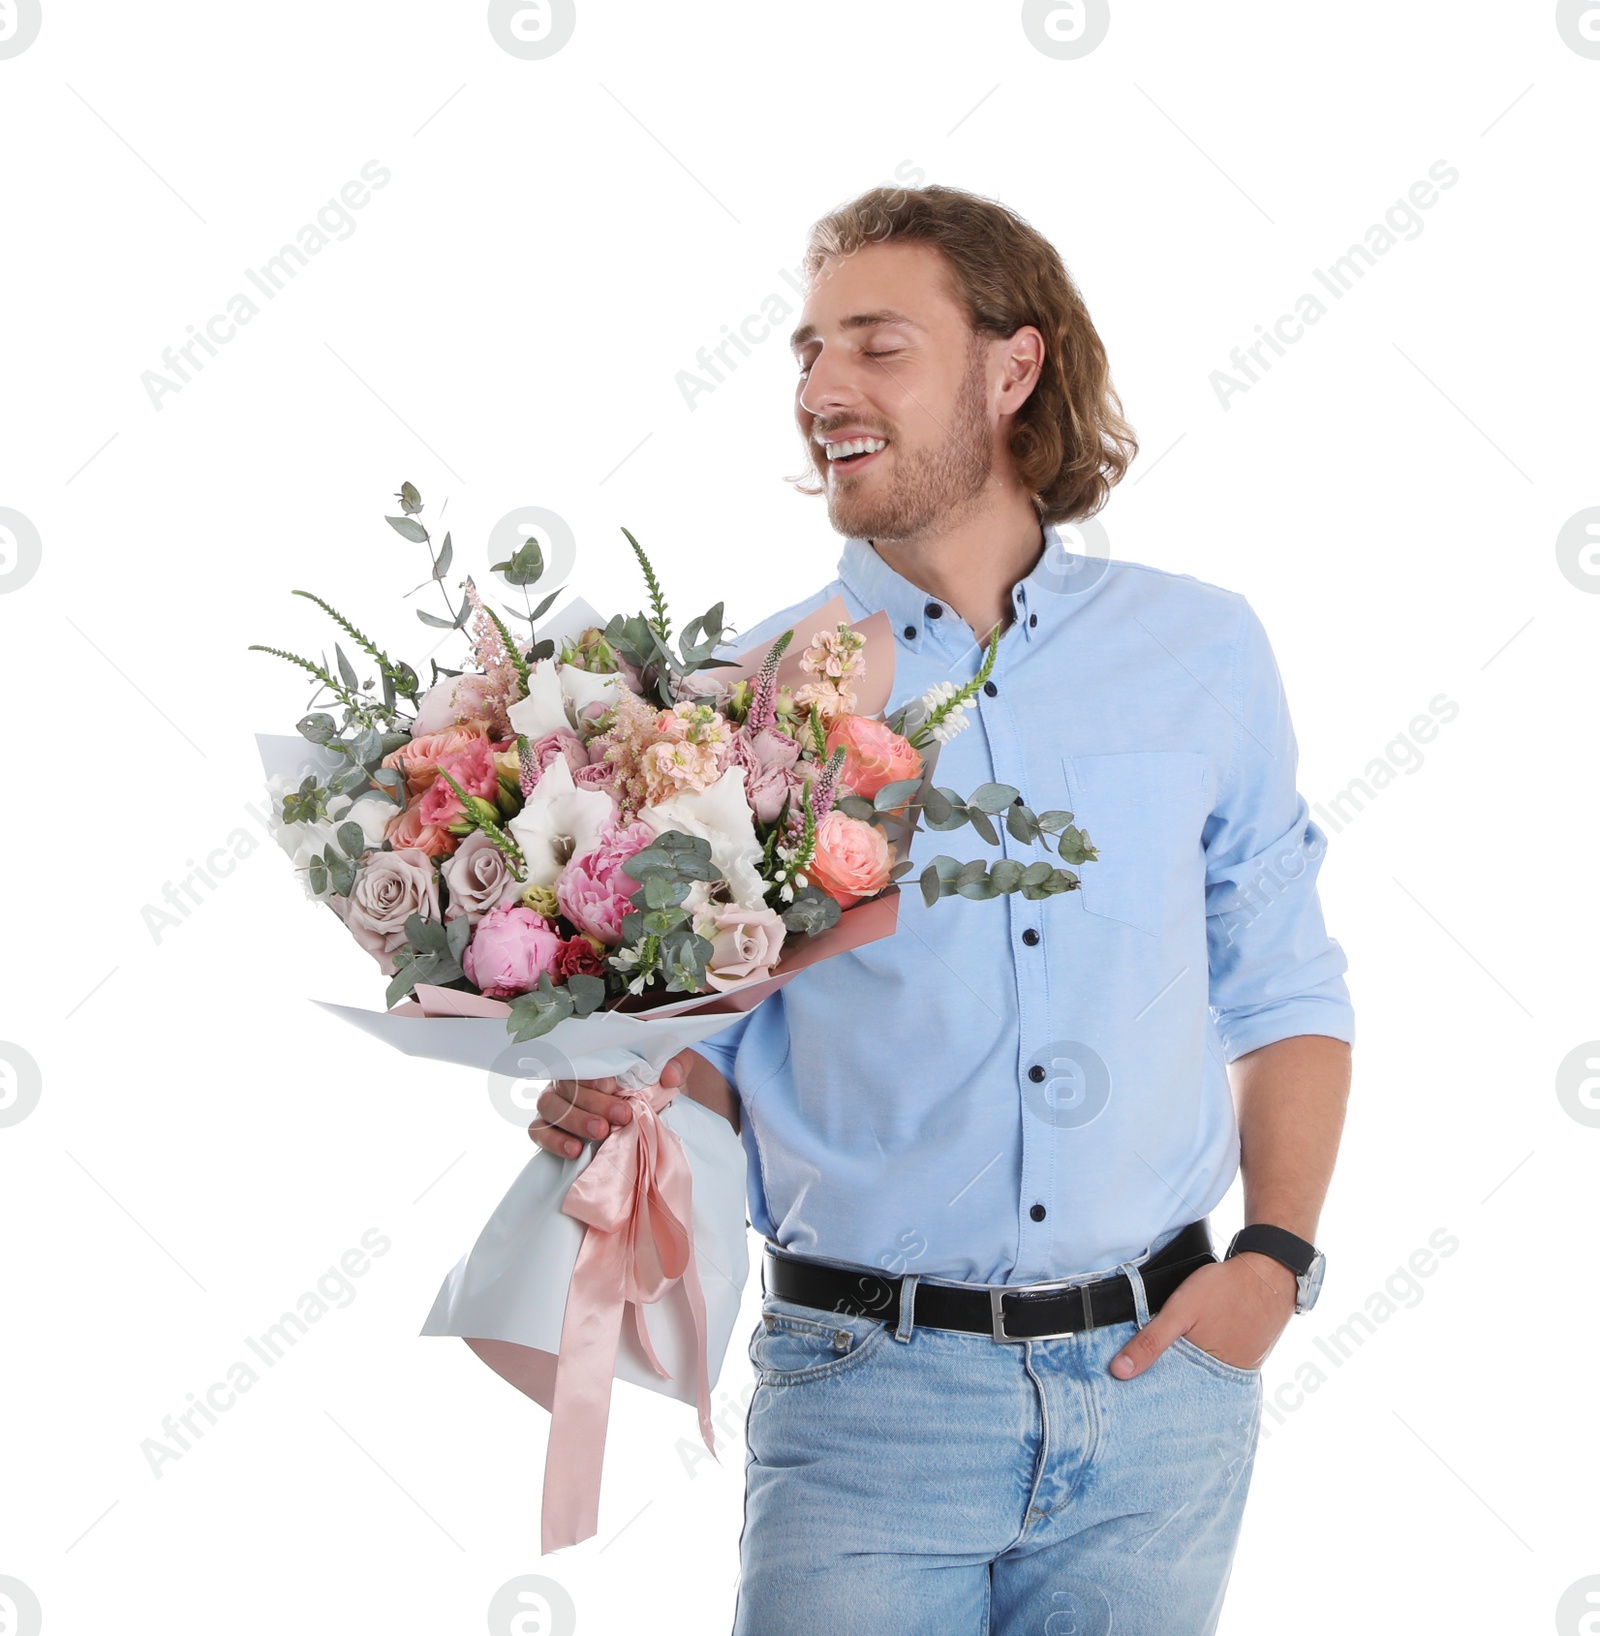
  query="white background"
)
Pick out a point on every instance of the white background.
point(503, 327)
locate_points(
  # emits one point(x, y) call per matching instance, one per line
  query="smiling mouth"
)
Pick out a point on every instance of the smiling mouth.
point(854, 454)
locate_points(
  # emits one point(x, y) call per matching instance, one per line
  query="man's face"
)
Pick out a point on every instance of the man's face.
point(887, 357)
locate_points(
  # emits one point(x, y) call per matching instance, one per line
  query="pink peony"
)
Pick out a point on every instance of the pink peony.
point(453, 701)
point(509, 951)
point(874, 755)
point(853, 859)
point(594, 889)
point(474, 770)
point(745, 943)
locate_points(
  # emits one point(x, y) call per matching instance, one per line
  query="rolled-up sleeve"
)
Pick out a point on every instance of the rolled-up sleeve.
point(1274, 970)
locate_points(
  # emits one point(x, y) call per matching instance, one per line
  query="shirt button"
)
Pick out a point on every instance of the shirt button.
point(911, 630)
point(933, 610)
point(1037, 1212)
point(1031, 936)
point(1036, 1073)
point(990, 689)
point(1033, 619)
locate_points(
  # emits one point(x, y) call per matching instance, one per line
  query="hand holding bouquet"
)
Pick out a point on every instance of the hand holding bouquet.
point(602, 841)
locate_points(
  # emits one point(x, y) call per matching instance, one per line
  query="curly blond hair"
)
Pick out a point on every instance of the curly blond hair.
point(1070, 442)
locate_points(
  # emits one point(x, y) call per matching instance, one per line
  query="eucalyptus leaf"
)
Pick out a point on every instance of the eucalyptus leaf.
point(352, 839)
point(984, 825)
point(1022, 823)
point(855, 806)
point(992, 797)
point(895, 794)
point(446, 552)
point(410, 500)
point(937, 807)
point(1054, 819)
point(587, 993)
point(978, 889)
point(407, 529)
point(347, 672)
point(1006, 874)
point(318, 727)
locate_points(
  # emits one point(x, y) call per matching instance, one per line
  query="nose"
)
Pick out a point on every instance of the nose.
point(829, 387)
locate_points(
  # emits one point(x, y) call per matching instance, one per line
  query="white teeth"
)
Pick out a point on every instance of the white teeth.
point(860, 445)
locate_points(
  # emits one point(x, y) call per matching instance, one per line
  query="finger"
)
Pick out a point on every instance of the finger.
point(555, 1140)
point(674, 1073)
point(1148, 1344)
point(574, 1106)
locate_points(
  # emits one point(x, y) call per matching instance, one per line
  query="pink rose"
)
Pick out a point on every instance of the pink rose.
point(594, 889)
point(474, 770)
point(598, 775)
point(745, 943)
point(853, 859)
point(406, 829)
point(455, 700)
point(509, 951)
point(418, 761)
point(479, 879)
point(389, 888)
point(770, 772)
point(559, 743)
point(873, 755)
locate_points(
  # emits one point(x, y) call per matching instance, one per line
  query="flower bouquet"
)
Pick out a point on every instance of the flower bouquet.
point(578, 854)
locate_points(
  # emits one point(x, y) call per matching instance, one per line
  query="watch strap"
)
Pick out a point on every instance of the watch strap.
point(1278, 1242)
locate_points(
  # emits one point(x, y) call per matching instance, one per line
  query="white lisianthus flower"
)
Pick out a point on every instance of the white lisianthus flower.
point(552, 688)
point(719, 814)
point(559, 822)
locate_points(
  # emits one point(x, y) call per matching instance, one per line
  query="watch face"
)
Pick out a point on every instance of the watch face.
point(1311, 1284)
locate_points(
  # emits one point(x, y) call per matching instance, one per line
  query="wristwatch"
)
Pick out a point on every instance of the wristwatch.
point(1304, 1260)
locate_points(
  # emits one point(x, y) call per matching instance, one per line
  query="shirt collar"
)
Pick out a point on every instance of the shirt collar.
point(876, 585)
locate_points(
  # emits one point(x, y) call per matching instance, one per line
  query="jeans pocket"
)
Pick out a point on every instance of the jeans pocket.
point(795, 1343)
point(1186, 1348)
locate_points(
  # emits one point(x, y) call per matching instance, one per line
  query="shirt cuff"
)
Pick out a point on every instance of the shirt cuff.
point(1243, 1031)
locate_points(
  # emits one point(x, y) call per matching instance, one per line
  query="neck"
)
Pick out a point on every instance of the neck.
point(970, 562)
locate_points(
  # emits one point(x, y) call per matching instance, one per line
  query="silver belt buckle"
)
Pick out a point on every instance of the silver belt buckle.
point(997, 1318)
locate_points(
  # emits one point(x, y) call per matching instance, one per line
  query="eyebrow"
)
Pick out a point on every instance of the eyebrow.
point(860, 320)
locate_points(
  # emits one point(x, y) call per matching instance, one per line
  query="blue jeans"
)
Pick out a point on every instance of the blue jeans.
point(934, 1481)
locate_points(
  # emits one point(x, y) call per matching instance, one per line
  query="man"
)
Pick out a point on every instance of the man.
point(1017, 1093)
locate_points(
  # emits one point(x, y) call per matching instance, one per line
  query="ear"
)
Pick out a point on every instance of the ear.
point(1021, 360)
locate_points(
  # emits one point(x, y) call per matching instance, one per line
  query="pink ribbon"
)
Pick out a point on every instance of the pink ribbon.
point(634, 1197)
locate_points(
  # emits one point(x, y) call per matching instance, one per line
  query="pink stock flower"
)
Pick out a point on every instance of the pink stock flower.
point(598, 775)
point(594, 889)
point(509, 950)
point(474, 770)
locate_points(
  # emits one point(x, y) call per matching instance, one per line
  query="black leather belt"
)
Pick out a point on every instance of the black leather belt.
point(1008, 1312)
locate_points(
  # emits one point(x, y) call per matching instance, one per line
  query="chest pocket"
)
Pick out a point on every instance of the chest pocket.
point(1145, 811)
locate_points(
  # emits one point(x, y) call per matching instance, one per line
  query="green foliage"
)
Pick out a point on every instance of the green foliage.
point(431, 954)
point(550, 1003)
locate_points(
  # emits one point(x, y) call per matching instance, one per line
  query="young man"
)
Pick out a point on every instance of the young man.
point(1004, 1382)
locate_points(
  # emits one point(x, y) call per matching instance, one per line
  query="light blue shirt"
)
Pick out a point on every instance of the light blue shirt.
point(969, 1101)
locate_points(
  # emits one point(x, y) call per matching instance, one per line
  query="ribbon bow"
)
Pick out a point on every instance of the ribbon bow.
point(634, 1197)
